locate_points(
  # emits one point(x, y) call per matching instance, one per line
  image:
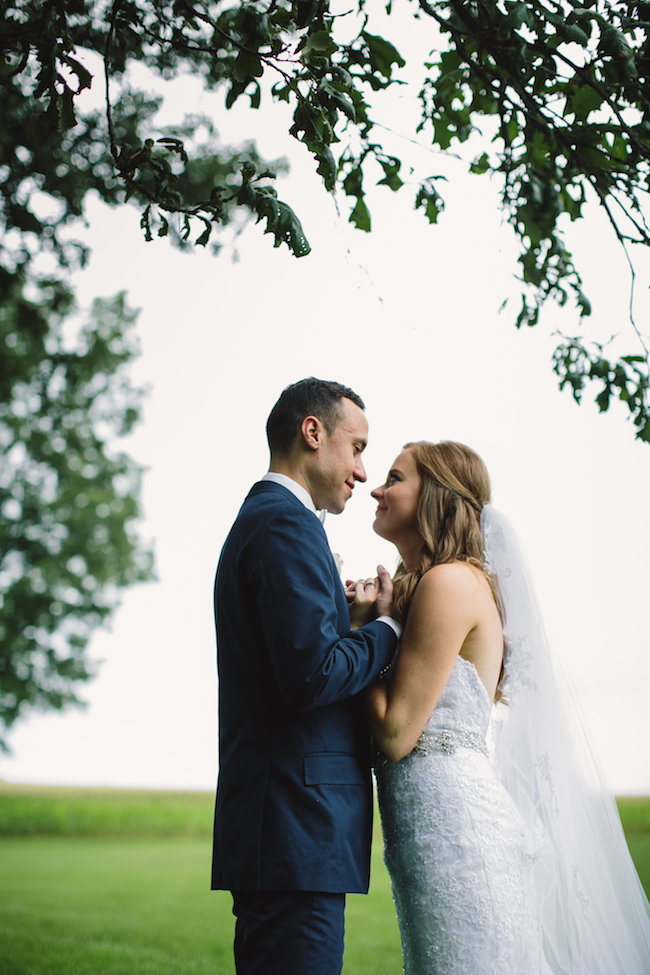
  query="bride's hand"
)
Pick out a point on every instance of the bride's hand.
point(362, 599)
point(369, 598)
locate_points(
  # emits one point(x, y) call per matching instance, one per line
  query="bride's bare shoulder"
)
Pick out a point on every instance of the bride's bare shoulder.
point(452, 575)
point(445, 589)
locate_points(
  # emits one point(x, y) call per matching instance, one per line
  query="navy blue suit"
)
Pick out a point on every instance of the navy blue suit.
point(294, 797)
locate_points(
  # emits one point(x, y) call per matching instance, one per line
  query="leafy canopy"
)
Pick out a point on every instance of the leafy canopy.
point(554, 93)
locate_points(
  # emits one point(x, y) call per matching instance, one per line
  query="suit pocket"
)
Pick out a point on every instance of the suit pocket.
point(334, 768)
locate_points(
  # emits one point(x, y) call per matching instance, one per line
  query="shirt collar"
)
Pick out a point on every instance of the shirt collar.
point(296, 489)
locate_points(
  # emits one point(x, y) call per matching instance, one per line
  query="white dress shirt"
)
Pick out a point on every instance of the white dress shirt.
point(300, 492)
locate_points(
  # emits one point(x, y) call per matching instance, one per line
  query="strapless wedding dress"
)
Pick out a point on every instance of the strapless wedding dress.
point(460, 861)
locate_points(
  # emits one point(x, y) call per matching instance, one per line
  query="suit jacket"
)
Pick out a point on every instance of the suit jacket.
point(294, 796)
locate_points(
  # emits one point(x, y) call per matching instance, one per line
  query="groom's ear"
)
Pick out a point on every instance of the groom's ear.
point(311, 430)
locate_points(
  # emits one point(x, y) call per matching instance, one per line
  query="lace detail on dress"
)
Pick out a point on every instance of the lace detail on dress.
point(459, 858)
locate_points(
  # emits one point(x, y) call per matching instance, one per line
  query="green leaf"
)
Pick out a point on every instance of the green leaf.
point(65, 110)
point(327, 168)
point(321, 43)
point(391, 166)
point(236, 89)
point(353, 182)
point(481, 164)
point(145, 223)
point(360, 216)
point(519, 15)
point(572, 33)
point(255, 96)
point(429, 200)
point(281, 92)
point(84, 77)
point(582, 101)
point(442, 133)
point(382, 54)
point(282, 222)
point(341, 102)
point(602, 400)
point(630, 69)
point(247, 66)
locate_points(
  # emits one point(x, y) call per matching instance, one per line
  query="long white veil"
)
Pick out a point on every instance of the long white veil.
point(595, 915)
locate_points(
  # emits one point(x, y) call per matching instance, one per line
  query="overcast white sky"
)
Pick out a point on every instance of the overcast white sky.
point(409, 317)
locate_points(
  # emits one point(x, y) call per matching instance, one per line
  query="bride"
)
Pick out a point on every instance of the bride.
point(506, 854)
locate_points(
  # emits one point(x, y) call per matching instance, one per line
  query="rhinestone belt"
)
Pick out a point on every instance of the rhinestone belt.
point(439, 741)
point(448, 742)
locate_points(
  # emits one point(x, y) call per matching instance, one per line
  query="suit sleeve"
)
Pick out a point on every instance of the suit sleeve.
point(295, 580)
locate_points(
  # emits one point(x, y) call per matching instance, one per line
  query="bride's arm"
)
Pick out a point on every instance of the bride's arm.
point(440, 617)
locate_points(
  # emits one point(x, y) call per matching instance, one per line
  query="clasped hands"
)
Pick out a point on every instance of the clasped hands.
point(369, 598)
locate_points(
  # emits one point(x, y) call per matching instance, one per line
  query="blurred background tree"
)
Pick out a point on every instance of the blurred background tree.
point(68, 497)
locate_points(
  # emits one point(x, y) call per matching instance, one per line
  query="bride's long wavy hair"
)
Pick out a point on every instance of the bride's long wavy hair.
point(455, 486)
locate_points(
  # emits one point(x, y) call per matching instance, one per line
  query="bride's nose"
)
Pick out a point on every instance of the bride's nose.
point(377, 494)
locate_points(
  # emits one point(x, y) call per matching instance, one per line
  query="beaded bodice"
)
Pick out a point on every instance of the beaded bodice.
point(463, 710)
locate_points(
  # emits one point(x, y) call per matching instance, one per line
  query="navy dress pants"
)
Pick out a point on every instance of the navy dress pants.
point(292, 932)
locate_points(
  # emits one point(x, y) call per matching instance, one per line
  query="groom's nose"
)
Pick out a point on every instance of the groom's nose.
point(360, 472)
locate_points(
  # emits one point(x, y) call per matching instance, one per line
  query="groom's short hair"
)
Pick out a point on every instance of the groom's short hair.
point(309, 397)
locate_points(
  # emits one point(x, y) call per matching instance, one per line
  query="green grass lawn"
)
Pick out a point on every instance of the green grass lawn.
point(86, 906)
point(105, 882)
point(112, 882)
point(114, 906)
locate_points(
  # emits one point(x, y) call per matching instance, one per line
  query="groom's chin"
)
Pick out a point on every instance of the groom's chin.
point(336, 507)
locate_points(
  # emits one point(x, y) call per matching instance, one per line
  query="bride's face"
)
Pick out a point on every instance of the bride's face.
point(397, 502)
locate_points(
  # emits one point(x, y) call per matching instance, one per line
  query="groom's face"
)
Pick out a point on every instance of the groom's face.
point(339, 463)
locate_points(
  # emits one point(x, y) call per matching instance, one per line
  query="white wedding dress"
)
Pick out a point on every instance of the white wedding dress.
point(460, 861)
point(509, 858)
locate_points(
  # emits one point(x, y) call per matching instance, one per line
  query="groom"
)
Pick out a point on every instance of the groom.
point(294, 801)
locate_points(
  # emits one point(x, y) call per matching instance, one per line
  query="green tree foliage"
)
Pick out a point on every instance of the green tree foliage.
point(52, 154)
point(552, 97)
point(67, 498)
point(555, 95)
point(67, 502)
point(567, 87)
